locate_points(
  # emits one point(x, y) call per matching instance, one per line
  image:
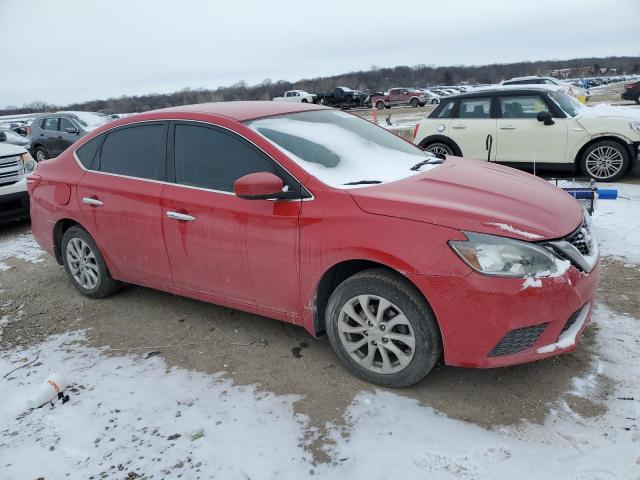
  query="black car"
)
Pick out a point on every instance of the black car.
point(51, 133)
point(632, 91)
point(343, 97)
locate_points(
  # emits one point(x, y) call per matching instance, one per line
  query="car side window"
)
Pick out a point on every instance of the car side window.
point(136, 151)
point(87, 152)
point(65, 123)
point(475, 108)
point(525, 106)
point(447, 110)
point(211, 158)
point(50, 124)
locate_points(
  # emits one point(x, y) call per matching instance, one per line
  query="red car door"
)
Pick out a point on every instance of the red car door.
point(120, 199)
point(218, 244)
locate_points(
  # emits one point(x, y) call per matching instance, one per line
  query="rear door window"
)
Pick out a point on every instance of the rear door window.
point(525, 106)
point(65, 123)
point(475, 108)
point(50, 124)
point(136, 151)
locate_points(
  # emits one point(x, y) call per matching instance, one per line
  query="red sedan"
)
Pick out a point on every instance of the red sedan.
point(316, 217)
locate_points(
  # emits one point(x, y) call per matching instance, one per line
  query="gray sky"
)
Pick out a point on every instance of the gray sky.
point(62, 51)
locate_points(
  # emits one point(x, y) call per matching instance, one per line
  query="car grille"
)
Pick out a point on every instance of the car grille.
point(517, 340)
point(10, 170)
point(580, 239)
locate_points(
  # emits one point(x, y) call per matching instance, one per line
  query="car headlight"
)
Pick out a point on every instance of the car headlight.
point(635, 126)
point(505, 257)
point(29, 165)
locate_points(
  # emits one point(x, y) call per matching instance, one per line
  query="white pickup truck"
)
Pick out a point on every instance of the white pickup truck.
point(15, 164)
point(299, 96)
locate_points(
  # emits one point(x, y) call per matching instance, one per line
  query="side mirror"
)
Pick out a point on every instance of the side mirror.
point(3, 137)
point(258, 186)
point(71, 130)
point(545, 117)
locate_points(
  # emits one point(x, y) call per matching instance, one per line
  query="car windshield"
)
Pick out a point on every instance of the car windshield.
point(567, 103)
point(342, 150)
point(89, 120)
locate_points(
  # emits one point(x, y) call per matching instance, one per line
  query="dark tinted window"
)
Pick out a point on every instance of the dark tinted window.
point(65, 123)
point(475, 108)
point(87, 152)
point(135, 151)
point(447, 110)
point(210, 158)
point(50, 124)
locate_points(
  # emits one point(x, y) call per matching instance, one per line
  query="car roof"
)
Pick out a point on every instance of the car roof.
point(493, 90)
point(244, 110)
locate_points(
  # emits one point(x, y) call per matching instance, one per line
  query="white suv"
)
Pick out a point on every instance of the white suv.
point(528, 127)
point(15, 164)
point(582, 94)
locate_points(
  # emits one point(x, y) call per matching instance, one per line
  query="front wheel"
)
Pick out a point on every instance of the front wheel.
point(382, 329)
point(85, 266)
point(605, 161)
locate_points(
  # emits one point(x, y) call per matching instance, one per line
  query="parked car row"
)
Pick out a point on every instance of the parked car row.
point(532, 125)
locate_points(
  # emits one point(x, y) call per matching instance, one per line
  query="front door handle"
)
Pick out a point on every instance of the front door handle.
point(508, 127)
point(459, 127)
point(92, 201)
point(181, 216)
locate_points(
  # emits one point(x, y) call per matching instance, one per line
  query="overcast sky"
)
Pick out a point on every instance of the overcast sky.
point(62, 51)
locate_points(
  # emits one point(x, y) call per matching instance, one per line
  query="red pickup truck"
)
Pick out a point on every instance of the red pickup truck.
point(399, 96)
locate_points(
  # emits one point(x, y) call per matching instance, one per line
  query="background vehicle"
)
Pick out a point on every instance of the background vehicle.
point(296, 96)
point(343, 97)
point(534, 125)
point(301, 194)
point(51, 133)
point(631, 91)
point(10, 136)
point(15, 164)
point(580, 93)
point(399, 96)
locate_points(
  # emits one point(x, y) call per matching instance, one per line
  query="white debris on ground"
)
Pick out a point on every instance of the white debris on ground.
point(21, 246)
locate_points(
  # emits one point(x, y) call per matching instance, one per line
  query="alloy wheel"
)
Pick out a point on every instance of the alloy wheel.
point(439, 150)
point(82, 263)
point(376, 334)
point(604, 162)
point(40, 155)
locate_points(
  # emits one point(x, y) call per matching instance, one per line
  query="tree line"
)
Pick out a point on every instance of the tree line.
point(374, 79)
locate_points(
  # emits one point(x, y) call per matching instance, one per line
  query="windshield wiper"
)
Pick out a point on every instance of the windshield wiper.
point(363, 182)
point(429, 161)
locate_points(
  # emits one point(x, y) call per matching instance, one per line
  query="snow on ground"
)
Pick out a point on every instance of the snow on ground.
point(617, 223)
point(23, 247)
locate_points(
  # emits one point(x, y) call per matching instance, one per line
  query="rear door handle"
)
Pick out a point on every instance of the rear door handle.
point(508, 127)
point(92, 201)
point(459, 127)
point(181, 216)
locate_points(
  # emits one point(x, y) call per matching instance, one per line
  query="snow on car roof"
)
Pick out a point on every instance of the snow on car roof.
point(244, 110)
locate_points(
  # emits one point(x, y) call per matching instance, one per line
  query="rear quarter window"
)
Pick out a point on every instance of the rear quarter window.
point(87, 152)
point(446, 110)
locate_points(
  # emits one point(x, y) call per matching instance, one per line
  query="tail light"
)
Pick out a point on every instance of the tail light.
point(415, 130)
point(628, 86)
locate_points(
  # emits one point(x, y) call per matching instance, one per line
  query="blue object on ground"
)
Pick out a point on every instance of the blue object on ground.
point(607, 193)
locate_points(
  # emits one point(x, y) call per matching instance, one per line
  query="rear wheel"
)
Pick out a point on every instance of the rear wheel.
point(439, 149)
point(414, 102)
point(605, 161)
point(41, 154)
point(382, 329)
point(85, 266)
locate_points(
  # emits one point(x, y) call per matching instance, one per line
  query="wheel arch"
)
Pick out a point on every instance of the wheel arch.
point(340, 272)
point(443, 139)
point(59, 228)
point(607, 137)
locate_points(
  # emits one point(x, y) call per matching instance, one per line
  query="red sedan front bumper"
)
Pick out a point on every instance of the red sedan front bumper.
point(492, 322)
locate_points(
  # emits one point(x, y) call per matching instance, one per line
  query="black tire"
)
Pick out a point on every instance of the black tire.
point(439, 149)
point(380, 105)
point(106, 285)
point(40, 154)
point(637, 100)
point(435, 101)
point(304, 100)
point(608, 175)
point(414, 103)
point(383, 283)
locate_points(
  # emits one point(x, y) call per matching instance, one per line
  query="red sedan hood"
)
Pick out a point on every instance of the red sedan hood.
point(477, 196)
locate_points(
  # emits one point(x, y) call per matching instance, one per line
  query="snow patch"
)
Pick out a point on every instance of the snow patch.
point(21, 246)
point(607, 110)
point(511, 229)
point(531, 282)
